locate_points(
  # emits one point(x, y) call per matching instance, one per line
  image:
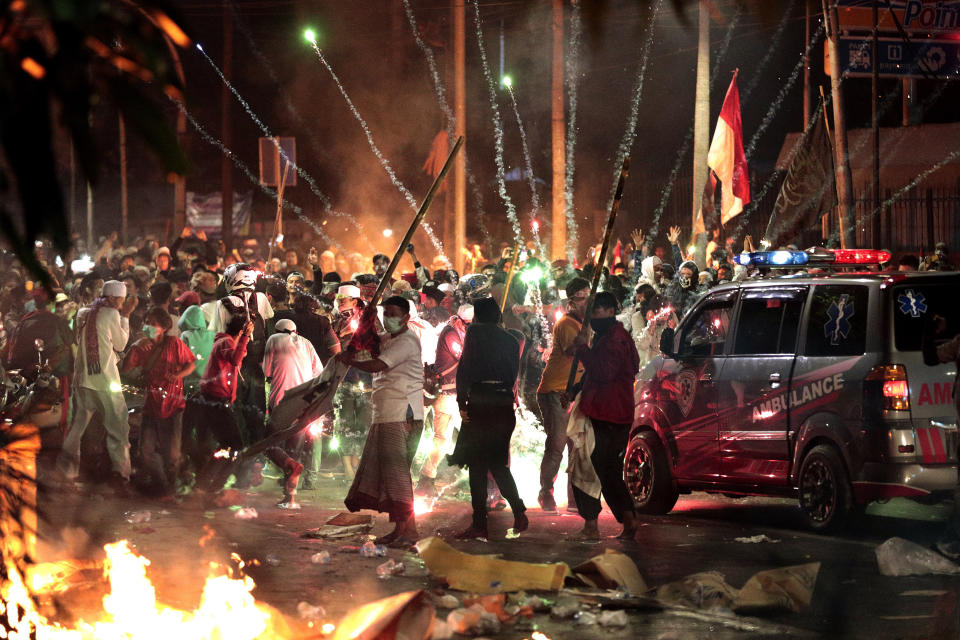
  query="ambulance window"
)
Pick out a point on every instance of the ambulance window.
point(838, 321)
point(706, 333)
point(768, 324)
point(916, 304)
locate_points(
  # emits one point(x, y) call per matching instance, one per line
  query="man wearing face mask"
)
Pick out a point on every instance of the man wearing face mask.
point(610, 365)
point(685, 290)
point(383, 479)
point(166, 361)
point(102, 332)
point(351, 404)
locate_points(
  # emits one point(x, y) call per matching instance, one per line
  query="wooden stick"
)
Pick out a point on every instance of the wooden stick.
point(611, 219)
point(385, 281)
point(513, 267)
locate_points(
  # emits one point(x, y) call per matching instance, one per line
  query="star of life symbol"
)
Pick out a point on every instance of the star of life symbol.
point(911, 303)
point(838, 326)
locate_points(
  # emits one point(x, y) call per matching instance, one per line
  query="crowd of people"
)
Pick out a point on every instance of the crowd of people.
point(201, 345)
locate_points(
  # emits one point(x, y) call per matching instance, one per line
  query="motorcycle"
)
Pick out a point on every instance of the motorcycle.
point(33, 395)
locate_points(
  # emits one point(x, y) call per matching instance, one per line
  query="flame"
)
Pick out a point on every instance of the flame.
point(422, 505)
point(316, 429)
point(227, 608)
point(208, 534)
point(539, 635)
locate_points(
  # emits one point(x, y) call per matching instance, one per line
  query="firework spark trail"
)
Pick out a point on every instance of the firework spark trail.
point(376, 150)
point(272, 193)
point(774, 42)
point(685, 145)
point(630, 135)
point(480, 214)
point(781, 95)
point(266, 132)
point(497, 131)
point(531, 180)
point(268, 67)
point(434, 74)
point(867, 216)
point(572, 68)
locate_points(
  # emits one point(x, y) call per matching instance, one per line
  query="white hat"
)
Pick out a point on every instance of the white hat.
point(446, 287)
point(465, 312)
point(114, 289)
point(286, 325)
point(349, 291)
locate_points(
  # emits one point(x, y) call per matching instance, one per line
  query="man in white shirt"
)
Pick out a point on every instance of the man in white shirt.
point(289, 360)
point(102, 332)
point(383, 480)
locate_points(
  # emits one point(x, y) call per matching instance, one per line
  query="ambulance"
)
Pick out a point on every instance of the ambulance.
point(810, 385)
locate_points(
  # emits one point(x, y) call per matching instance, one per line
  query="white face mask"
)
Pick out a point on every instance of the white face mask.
point(393, 325)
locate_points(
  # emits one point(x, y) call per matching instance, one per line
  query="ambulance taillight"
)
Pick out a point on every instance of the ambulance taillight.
point(895, 388)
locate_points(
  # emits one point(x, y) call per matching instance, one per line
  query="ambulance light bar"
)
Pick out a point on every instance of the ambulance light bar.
point(821, 257)
point(772, 258)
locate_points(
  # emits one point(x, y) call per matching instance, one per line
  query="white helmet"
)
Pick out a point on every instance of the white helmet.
point(239, 277)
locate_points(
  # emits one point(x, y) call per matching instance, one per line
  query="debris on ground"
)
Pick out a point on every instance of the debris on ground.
point(447, 601)
point(230, 498)
point(787, 588)
point(390, 568)
point(485, 574)
point(900, 557)
point(474, 620)
point(321, 557)
point(407, 615)
point(307, 611)
point(611, 570)
point(371, 550)
point(344, 519)
point(332, 532)
point(136, 517)
point(613, 619)
point(441, 630)
point(706, 590)
point(246, 513)
point(566, 606)
point(756, 539)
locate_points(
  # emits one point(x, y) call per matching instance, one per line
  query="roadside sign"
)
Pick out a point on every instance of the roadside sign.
point(898, 59)
point(934, 17)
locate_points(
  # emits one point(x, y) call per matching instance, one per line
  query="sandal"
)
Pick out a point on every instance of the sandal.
point(402, 543)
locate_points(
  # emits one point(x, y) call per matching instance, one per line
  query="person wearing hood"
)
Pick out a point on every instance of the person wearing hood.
point(289, 360)
point(610, 365)
point(684, 291)
point(651, 272)
point(486, 382)
point(196, 335)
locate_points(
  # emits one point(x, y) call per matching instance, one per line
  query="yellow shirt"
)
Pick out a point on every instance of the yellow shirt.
point(557, 371)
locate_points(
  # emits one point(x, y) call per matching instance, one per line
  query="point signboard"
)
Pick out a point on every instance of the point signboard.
point(937, 18)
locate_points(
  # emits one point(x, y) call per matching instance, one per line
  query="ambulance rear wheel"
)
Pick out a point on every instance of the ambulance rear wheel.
point(647, 474)
point(826, 495)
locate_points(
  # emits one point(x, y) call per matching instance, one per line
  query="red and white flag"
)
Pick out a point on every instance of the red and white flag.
point(726, 157)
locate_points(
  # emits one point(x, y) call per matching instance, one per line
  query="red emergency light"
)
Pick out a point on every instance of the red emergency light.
point(860, 256)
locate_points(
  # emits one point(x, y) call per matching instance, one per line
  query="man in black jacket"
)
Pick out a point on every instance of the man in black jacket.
point(486, 391)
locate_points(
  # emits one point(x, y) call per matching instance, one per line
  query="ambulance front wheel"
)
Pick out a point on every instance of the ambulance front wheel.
point(826, 495)
point(647, 474)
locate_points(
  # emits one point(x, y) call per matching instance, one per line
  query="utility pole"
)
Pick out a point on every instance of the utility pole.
point(841, 152)
point(875, 122)
point(460, 116)
point(226, 132)
point(124, 210)
point(806, 64)
point(701, 121)
point(558, 238)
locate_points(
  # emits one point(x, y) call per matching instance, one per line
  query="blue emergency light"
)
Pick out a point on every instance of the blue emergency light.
point(772, 258)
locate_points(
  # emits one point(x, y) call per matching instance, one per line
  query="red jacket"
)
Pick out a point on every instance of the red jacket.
point(223, 368)
point(610, 366)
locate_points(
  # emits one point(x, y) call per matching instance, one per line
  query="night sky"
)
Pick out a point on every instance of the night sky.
point(371, 48)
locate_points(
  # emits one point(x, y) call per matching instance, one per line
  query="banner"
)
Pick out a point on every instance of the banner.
point(205, 212)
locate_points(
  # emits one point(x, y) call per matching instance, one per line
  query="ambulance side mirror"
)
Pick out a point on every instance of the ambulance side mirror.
point(666, 342)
